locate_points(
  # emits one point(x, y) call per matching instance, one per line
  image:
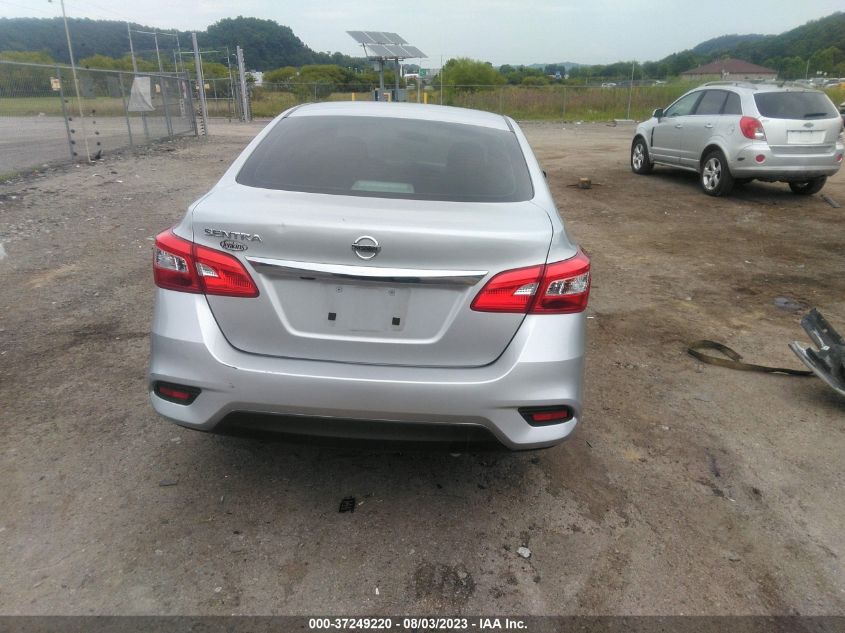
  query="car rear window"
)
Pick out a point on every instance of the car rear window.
point(382, 157)
point(795, 105)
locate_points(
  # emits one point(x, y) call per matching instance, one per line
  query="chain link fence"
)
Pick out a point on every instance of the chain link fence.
point(47, 116)
point(589, 103)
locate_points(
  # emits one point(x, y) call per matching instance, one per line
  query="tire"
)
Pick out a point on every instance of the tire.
point(715, 177)
point(640, 160)
point(808, 187)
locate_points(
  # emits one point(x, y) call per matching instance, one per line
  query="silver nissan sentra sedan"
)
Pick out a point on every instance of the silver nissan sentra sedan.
point(378, 271)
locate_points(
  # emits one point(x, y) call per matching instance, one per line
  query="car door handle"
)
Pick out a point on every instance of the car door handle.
point(678, 126)
point(708, 125)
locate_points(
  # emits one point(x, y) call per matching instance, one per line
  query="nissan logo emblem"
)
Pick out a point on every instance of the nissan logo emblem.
point(366, 247)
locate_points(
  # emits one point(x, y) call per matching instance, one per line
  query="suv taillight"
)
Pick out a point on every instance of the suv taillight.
point(559, 288)
point(188, 267)
point(752, 128)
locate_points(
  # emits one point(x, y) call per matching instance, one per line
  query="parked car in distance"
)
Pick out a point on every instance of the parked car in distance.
point(374, 270)
point(733, 132)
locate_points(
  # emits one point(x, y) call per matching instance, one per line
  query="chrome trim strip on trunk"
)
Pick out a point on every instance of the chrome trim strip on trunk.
point(340, 272)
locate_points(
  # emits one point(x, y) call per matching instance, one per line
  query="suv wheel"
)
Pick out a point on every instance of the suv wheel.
point(808, 187)
point(640, 162)
point(716, 178)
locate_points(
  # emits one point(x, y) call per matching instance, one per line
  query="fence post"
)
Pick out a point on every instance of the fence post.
point(163, 82)
point(564, 102)
point(185, 86)
point(125, 108)
point(64, 113)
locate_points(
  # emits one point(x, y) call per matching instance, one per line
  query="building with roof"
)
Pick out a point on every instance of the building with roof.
point(729, 69)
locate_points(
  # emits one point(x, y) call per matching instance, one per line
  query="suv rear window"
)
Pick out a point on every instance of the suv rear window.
point(390, 158)
point(795, 105)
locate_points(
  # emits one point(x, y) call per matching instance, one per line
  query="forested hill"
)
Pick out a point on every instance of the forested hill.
point(725, 43)
point(266, 43)
point(815, 47)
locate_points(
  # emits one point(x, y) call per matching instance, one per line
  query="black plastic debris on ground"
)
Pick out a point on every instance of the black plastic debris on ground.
point(828, 361)
point(347, 504)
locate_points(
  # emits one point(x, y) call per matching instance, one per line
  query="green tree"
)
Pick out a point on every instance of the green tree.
point(470, 75)
point(533, 80)
point(280, 75)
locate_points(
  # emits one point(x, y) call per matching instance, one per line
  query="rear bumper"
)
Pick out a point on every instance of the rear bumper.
point(543, 365)
point(784, 166)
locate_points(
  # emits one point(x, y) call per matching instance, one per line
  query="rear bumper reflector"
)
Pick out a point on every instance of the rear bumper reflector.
point(180, 394)
point(541, 416)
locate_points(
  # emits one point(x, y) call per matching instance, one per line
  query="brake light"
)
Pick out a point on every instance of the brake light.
point(189, 267)
point(559, 288)
point(752, 128)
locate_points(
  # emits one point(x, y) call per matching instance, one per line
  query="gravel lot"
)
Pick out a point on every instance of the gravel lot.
point(689, 489)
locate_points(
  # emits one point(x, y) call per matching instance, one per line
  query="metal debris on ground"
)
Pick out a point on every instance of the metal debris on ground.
point(734, 359)
point(585, 183)
point(831, 201)
point(785, 303)
point(347, 504)
point(828, 362)
point(167, 482)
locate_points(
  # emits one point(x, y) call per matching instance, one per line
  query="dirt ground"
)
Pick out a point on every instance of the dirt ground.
point(688, 489)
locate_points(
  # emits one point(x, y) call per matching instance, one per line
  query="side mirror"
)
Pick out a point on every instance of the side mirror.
point(658, 113)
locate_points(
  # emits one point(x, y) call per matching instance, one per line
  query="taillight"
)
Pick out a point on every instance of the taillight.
point(559, 288)
point(188, 267)
point(752, 128)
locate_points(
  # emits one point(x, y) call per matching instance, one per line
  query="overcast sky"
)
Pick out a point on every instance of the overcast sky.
point(498, 31)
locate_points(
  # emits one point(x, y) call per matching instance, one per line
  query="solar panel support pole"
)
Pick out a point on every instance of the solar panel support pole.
point(396, 78)
point(380, 78)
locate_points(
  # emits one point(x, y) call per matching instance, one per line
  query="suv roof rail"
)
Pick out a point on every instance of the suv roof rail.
point(741, 84)
point(791, 83)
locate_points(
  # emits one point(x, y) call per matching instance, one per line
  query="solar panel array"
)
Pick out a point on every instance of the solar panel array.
point(385, 45)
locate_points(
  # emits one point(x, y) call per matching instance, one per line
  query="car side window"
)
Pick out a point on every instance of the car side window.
point(732, 105)
point(683, 106)
point(711, 102)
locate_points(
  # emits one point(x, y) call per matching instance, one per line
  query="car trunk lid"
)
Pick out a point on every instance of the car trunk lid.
point(403, 302)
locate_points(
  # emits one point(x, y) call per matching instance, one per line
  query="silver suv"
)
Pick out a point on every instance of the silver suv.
point(733, 132)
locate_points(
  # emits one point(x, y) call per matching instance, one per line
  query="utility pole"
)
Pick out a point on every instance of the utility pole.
point(630, 90)
point(200, 85)
point(441, 79)
point(131, 49)
point(75, 83)
point(135, 76)
point(239, 52)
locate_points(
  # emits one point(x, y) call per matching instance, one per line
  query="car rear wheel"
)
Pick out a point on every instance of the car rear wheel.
point(640, 162)
point(716, 178)
point(808, 187)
